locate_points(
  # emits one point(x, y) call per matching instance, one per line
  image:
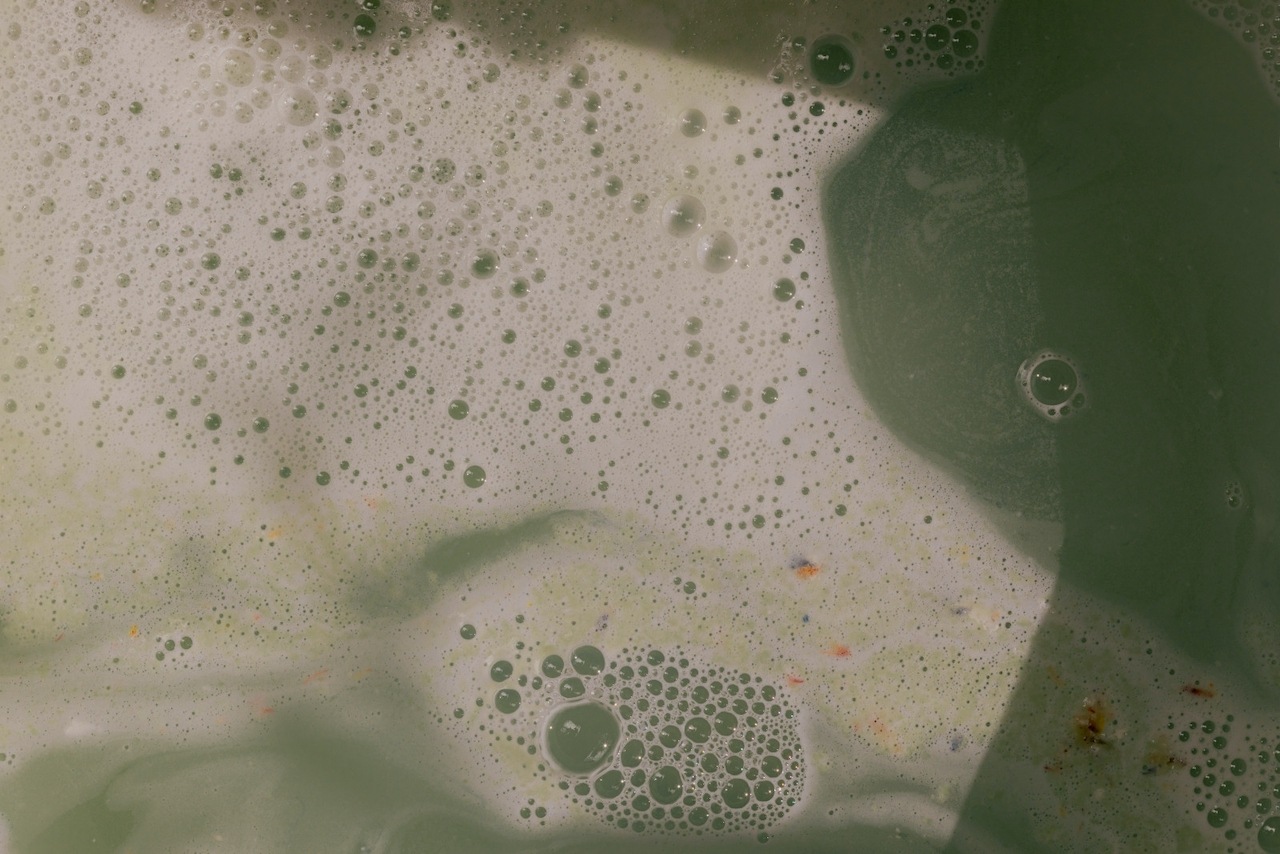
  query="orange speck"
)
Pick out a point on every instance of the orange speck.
point(794, 680)
point(318, 676)
point(838, 650)
point(133, 631)
point(1197, 690)
point(59, 636)
point(275, 533)
point(361, 673)
point(260, 706)
point(1054, 675)
point(807, 570)
point(1090, 723)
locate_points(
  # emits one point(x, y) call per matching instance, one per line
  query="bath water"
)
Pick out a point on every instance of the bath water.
point(508, 427)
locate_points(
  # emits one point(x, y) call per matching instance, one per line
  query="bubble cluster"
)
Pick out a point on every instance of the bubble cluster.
point(948, 38)
point(1235, 776)
point(1256, 24)
point(648, 741)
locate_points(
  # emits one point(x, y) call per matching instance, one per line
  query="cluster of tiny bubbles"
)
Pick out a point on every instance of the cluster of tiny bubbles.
point(1237, 780)
point(1051, 383)
point(947, 38)
point(648, 741)
point(322, 267)
point(1256, 24)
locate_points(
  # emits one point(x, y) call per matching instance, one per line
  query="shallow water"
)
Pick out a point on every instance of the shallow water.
point(501, 428)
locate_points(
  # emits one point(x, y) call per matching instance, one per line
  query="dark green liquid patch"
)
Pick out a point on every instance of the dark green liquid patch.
point(1109, 184)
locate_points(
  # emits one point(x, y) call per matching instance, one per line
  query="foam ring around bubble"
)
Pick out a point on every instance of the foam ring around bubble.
point(1052, 384)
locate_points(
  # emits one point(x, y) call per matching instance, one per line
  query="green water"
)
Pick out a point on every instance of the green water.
point(1107, 187)
point(420, 616)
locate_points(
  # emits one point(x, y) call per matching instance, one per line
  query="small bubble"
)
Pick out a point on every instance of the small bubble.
point(587, 660)
point(831, 60)
point(692, 123)
point(683, 215)
point(717, 252)
point(1269, 835)
point(484, 264)
point(507, 700)
point(473, 476)
point(365, 26)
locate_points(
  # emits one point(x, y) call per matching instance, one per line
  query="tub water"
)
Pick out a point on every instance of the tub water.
point(517, 427)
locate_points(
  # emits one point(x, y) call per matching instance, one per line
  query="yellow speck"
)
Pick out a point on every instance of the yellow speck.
point(133, 631)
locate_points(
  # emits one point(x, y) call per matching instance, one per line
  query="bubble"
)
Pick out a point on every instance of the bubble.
point(467, 632)
point(458, 410)
point(964, 43)
point(507, 701)
point(1269, 835)
point(717, 252)
point(831, 60)
point(784, 290)
point(442, 170)
point(661, 398)
point(1053, 381)
point(582, 738)
point(364, 26)
point(697, 730)
point(736, 793)
point(238, 66)
point(683, 215)
point(473, 476)
point(632, 754)
point(484, 264)
point(666, 785)
point(610, 784)
point(212, 421)
point(693, 123)
point(587, 660)
point(1051, 384)
point(501, 671)
point(299, 107)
